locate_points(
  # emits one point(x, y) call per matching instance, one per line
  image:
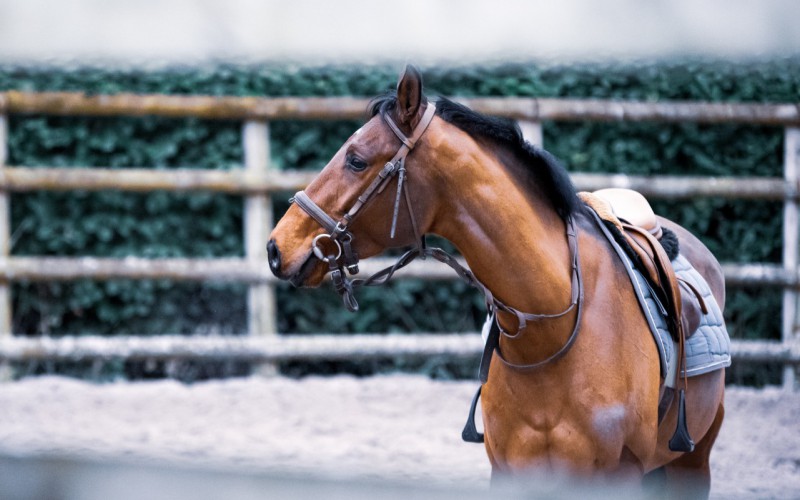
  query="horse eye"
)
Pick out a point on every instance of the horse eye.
point(356, 164)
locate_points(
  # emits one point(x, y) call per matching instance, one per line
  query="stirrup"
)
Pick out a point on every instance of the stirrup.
point(470, 433)
point(681, 440)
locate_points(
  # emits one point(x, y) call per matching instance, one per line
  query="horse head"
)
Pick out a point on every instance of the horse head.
point(360, 204)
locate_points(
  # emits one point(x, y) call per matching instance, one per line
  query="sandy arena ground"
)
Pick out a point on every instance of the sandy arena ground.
point(390, 427)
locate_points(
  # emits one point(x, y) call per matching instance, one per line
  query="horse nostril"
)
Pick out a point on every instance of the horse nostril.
point(274, 257)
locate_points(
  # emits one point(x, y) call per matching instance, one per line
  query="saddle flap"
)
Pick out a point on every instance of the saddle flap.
point(659, 272)
point(693, 307)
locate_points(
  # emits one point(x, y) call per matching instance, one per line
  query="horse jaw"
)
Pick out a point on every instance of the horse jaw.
point(310, 274)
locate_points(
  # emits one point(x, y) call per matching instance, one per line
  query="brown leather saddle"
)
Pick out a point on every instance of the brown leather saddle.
point(632, 215)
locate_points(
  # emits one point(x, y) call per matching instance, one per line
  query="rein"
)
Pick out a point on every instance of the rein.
point(346, 258)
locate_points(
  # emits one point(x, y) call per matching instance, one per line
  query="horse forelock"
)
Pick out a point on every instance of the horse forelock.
point(541, 167)
point(382, 103)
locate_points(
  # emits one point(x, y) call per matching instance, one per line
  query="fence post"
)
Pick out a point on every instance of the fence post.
point(791, 245)
point(532, 132)
point(5, 235)
point(258, 221)
point(5, 249)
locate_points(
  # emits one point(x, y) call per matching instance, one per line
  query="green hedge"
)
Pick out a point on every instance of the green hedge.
point(163, 224)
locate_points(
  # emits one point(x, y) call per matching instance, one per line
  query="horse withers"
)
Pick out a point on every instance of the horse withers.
point(575, 384)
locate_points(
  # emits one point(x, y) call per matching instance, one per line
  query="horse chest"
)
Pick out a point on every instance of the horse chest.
point(572, 443)
point(529, 416)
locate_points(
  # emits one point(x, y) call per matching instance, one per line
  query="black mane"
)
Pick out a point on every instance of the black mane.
point(543, 169)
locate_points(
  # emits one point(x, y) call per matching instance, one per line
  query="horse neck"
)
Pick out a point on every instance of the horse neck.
point(511, 237)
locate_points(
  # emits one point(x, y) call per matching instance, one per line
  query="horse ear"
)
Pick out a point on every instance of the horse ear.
point(409, 94)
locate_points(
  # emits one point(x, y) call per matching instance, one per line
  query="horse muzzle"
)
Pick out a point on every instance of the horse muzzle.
point(308, 274)
point(274, 258)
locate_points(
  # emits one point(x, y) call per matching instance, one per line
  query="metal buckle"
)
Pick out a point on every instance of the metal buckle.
point(388, 169)
point(318, 251)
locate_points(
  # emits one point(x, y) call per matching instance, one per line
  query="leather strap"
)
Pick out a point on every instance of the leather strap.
point(699, 296)
point(376, 186)
point(410, 142)
point(576, 303)
point(576, 288)
point(667, 280)
point(303, 201)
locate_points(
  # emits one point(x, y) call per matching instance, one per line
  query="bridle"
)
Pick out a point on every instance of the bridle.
point(338, 231)
point(346, 258)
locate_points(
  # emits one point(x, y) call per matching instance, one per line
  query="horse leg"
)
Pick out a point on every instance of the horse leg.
point(689, 476)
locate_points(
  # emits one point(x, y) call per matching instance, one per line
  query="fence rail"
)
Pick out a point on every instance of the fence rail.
point(297, 348)
point(242, 270)
point(315, 108)
point(239, 181)
point(257, 182)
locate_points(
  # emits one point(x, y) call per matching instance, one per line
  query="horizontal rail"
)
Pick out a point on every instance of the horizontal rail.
point(675, 187)
point(760, 274)
point(243, 348)
point(38, 269)
point(299, 108)
point(762, 351)
point(239, 181)
point(178, 106)
point(238, 270)
point(297, 347)
point(241, 270)
point(234, 181)
point(669, 112)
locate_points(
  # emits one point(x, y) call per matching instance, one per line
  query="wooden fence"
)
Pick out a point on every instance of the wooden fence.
point(257, 181)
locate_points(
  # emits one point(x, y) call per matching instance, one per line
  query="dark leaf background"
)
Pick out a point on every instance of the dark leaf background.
point(206, 225)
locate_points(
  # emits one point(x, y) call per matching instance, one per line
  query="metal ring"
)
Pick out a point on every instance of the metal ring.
point(318, 251)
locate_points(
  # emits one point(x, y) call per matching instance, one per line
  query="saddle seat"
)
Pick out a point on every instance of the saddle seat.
point(632, 207)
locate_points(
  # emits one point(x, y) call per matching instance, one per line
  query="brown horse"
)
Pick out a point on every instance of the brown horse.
point(507, 206)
